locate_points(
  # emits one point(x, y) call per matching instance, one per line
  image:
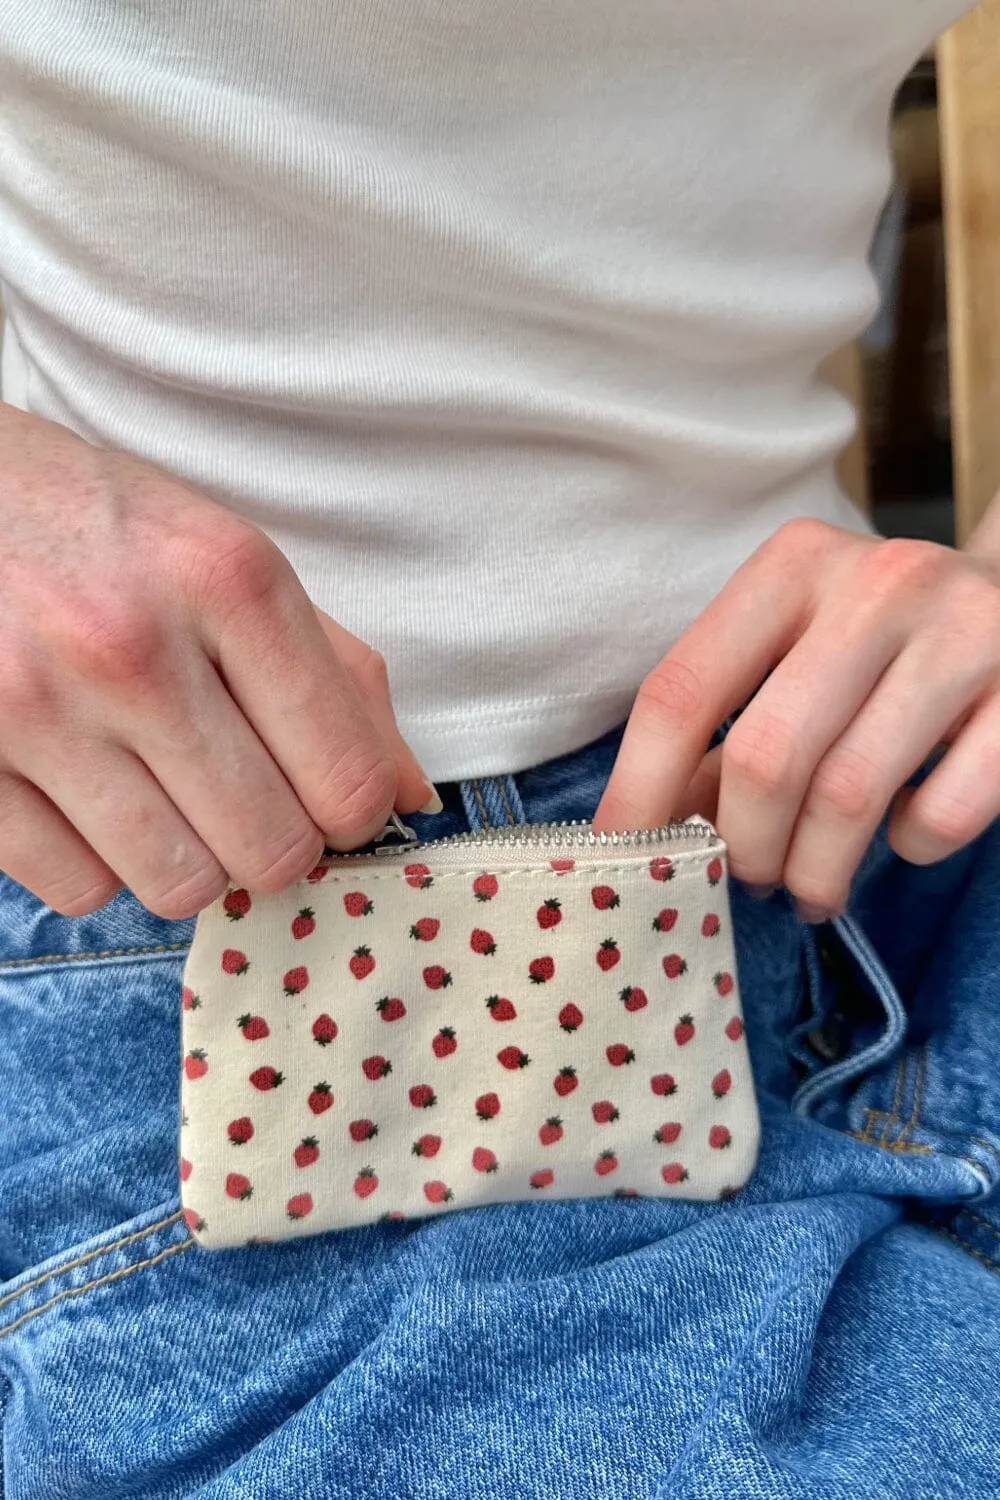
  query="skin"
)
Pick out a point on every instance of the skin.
point(174, 712)
point(874, 653)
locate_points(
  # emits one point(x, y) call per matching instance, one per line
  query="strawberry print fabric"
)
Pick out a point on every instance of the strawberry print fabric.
point(402, 1036)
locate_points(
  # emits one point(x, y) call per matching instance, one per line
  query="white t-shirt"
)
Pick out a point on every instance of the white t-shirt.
point(501, 319)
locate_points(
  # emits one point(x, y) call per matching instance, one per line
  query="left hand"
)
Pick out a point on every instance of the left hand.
point(878, 651)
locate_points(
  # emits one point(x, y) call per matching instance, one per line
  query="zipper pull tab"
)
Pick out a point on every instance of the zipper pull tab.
point(396, 826)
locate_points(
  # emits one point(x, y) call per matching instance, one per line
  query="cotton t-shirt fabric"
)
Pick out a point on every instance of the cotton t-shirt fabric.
point(503, 322)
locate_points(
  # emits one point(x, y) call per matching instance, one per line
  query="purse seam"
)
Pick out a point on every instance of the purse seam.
point(687, 856)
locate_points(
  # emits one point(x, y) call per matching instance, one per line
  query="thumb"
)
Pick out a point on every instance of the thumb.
point(367, 670)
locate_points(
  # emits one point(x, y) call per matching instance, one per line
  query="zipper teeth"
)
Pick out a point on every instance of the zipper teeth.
point(574, 834)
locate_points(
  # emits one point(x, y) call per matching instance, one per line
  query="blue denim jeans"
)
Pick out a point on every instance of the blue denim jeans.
point(833, 1331)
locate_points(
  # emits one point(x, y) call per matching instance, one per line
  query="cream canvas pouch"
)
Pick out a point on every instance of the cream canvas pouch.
point(523, 1013)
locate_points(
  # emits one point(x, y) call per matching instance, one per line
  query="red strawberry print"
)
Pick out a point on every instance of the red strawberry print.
point(436, 978)
point(320, 1098)
point(482, 942)
point(565, 1082)
point(365, 1183)
point(605, 1163)
point(304, 924)
point(426, 930)
point(666, 920)
point(238, 1186)
point(721, 1084)
point(633, 997)
point(663, 1085)
point(683, 1031)
point(299, 1206)
point(487, 1106)
point(723, 983)
point(710, 925)
point(445, 1043)
point(240, 1131)
point(190, 1000)
point(551, 1131)
point(562, 866)
point(318, 873)
point(512, 1058)
point(418, 876)
point(295, 981)
point(324, 1030)
point(734, 1029)
point(673, 1173)
point(428, 1145)
point(254, 1028)
point(542, 1179)
point(674, 966)
point(604, 1112)
point(501, 1009)
point(541, 970)
point(234, 962)
point(437, 1192)
point(661, 869)
point(719, 1137)
point(549, 914)
point(306, 1153)
point(485, 887)
point(618, 1054)
point(484, 1160)
point(266, 1078)
point(422, 1096)
point(362, 963)
point(667, 1134)
point(186, 1169)
point(196, 1064)
point(194, 1221)
point(625, 1193)
point(390, 1008)
point(362, 1130)
point(393, 1214)
point(604, 897)
point(714, 871)
point(608, 954)
point(376, 1067)
point(236, 905)
point(570, 1017)
point(357, 904)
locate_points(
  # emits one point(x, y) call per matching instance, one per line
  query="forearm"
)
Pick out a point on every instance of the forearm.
point(985, 540)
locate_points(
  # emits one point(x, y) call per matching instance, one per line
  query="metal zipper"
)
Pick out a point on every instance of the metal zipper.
point(573, 834)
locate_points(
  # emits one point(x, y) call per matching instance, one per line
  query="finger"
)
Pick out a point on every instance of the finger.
point(42, 851)
point(960, 798)
point(122, 812)
point(225, 783)
point(711, 671)
point(700, 797)
point(415, 791)
point(280, 668)
point(771, 754)
point(913, 706)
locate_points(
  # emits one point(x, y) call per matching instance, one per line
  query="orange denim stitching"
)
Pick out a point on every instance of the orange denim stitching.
point(501, 783)
point(984, 1222)
point(51, 958)
point(77, 1291)
point(976, 1254)
point(81, 1260)
point(487, 821)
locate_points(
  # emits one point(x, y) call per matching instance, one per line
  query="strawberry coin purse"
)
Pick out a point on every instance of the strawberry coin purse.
point(524, 1013)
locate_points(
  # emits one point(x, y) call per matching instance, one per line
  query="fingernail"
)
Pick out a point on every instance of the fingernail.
point(761, 892)
point(814, 915)
point(434, 804)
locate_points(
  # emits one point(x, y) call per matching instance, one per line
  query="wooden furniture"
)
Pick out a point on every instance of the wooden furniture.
point(968, 68)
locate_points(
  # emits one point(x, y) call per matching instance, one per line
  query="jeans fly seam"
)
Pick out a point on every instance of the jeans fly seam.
point(50, 958)
point(984, 1260)
point(502, 785)
point(978, 1219)
point(483, 810)
point(81, 1260)
point(90, 1286)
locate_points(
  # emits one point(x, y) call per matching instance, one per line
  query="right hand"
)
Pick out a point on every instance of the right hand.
point(175, 715)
